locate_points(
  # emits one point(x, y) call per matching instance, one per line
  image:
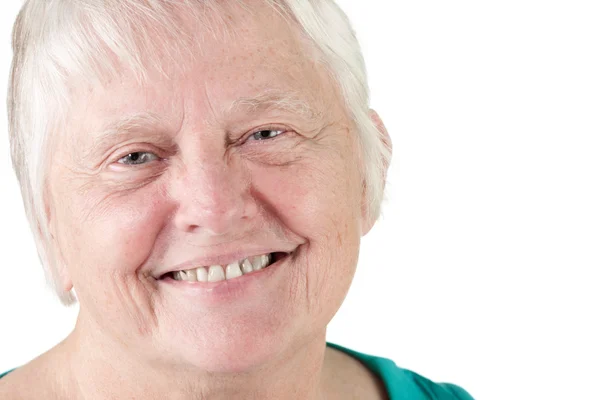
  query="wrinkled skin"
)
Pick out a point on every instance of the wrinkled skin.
point(208, 187)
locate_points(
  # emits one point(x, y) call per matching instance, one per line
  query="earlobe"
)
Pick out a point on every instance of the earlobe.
point(62, 279)
point(384, 154)
point(61, 276)
point(367, 219)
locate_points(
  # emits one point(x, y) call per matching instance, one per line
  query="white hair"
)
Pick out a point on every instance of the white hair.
point(58, 43)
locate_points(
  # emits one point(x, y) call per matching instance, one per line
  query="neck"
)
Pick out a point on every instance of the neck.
point(103, 369)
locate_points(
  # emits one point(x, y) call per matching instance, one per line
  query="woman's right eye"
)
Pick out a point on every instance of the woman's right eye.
point(137, 158)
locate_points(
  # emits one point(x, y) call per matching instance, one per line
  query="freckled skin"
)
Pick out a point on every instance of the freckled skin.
point(114, 224)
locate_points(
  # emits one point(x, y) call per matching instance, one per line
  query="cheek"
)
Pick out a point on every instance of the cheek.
point(318, 197)
point(111, 234)
point(318, 200)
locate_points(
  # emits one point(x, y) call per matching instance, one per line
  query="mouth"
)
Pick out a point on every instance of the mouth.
point(217, 273)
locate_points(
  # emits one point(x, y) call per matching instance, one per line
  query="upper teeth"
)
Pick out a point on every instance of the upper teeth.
point(216, 273)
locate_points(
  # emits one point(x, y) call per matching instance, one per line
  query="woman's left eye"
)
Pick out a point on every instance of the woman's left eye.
point(137, 158)
point(265, 134)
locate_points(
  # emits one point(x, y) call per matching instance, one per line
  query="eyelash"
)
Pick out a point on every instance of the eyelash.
point(268, 129)
point(252, 135)
point(141, 153)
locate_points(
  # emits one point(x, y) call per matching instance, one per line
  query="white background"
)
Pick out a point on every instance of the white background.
point(483, 271)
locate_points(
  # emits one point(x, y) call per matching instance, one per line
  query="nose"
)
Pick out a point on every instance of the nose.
point(214, 198)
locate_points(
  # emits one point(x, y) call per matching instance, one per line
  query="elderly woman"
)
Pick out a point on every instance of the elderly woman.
point(200, 174)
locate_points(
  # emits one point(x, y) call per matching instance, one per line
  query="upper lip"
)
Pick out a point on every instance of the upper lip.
point(220, 259)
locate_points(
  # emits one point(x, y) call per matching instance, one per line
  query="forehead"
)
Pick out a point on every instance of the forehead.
point(254, 60)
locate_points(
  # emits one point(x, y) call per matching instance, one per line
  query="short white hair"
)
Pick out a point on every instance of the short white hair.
point(57, 42)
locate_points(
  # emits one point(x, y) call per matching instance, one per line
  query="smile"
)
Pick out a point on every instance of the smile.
point(217, 273)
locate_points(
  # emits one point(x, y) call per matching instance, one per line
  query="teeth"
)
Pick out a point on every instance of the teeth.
point(216, 273)
point(259, 262)
point(177, 275)
point(202, 274)
point(247, 266)
point(233, 270)
point(189, 275)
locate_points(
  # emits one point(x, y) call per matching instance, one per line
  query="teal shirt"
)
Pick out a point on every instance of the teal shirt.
point(401, 384)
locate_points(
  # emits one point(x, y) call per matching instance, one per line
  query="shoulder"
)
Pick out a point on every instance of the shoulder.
point(36, 379)
point(428, 389)
point(12, 385)
point(2, 374)
point(403, 384)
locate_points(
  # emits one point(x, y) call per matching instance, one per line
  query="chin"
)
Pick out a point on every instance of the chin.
point(238, 354)
point(232, 343)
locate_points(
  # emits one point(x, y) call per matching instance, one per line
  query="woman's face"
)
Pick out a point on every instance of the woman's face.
point(210, 167)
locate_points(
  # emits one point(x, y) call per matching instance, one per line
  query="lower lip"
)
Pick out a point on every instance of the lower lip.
point(228, 290)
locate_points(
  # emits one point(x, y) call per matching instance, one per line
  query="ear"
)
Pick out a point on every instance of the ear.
point(60, 274)
point(368, 219)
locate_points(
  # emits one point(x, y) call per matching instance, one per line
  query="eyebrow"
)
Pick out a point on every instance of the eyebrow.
point(267, 100)
point(128, 124)
point(273, 99)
